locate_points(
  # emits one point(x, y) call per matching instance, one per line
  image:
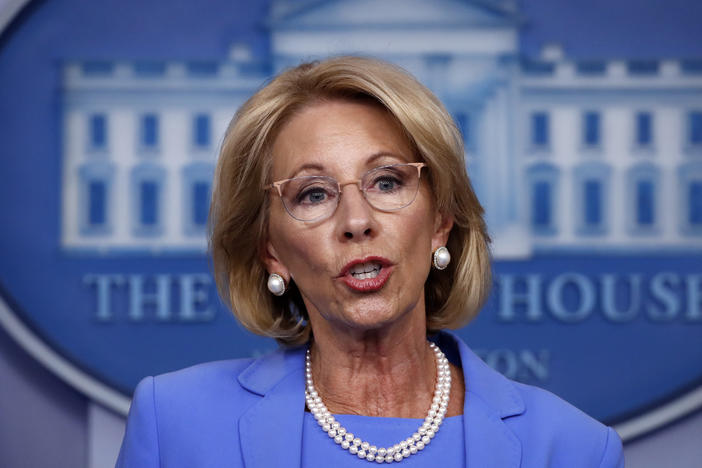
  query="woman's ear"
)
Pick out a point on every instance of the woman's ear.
point(270, 258)
point(443, 223)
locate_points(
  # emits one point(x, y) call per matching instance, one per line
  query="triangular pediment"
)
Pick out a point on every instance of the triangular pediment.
point(390, 13)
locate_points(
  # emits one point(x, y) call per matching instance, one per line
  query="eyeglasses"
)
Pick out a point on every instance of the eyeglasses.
point(315, 198)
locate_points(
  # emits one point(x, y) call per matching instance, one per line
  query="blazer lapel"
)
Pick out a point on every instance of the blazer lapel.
point(490, 399)
point(270, 431)
point(489, 442)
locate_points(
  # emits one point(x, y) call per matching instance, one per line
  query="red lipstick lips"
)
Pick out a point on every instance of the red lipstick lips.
point(366, 284)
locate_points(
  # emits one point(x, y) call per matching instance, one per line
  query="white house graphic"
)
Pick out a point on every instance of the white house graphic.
point(565, 155)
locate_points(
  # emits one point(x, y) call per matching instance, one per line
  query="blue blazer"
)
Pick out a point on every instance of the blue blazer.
point(249, 413)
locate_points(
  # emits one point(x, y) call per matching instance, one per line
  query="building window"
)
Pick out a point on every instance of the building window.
point(695, 129)
point(98, 132)
point(593, 202)
point(695, 204)
point(148, 199)
point(149, 131)
point(202, 69)
point(97, 204)
point(541, 215)
point(197, 192)
point(591, 129)
point(97, 68)
point(644, 129)
point(591, 68)
point(148, 203)
point(540, 137)
point(645, 208)
point(149, 69)
point(94, 197)
point(201, 131)
point(464, 123)
point(691, 66)
point(690, 192)
point(543, 183)
point(642, 67)
point(591, 195)
point(642, 198)
point(201, 203)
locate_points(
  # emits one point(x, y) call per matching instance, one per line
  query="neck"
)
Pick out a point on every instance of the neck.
point(389, 371)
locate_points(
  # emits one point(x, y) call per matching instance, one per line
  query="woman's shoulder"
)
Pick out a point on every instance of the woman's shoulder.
point(564, 430)
point(203, 375)
point(556, 414)
point(215, 379)
point(550, 431)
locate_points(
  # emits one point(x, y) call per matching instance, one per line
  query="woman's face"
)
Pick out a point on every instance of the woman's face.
point(343, 140)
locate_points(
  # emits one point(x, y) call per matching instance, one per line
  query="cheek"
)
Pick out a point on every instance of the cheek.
point(301, 251)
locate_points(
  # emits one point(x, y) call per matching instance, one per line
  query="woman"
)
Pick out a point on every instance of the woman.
point(344, 225)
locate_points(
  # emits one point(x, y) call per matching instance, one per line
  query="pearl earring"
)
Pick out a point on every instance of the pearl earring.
point(276, 284)
point(441, 258)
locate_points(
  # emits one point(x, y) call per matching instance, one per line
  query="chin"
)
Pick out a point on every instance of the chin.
point(372, 318)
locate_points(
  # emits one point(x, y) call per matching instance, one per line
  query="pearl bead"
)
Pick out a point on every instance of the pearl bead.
point(276, 284)
point(442, 258)
point(416, 442)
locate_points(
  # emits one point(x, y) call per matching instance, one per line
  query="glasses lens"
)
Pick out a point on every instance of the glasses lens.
point(390, 188)
point(310, 198)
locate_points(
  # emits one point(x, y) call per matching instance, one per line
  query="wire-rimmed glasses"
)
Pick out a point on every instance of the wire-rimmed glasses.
point(315, 198)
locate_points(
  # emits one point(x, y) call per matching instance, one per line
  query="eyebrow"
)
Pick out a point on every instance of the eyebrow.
point(371, 159)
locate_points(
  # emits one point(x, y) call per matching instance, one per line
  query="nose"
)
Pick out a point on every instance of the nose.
point(356, 220)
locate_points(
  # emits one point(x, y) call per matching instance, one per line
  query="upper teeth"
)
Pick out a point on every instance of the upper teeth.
point(365, 270)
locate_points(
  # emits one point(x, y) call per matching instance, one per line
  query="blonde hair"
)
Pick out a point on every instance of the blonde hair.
point(238, 214)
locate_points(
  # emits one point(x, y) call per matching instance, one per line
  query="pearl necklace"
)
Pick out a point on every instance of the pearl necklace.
point(398, 452)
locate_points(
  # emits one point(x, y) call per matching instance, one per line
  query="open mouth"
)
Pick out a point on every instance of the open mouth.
point(367, 275)
point(363, 271)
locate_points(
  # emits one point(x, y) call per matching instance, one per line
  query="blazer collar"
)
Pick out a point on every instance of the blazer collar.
point(270, 431)
point(279, 379)
point(490, 399)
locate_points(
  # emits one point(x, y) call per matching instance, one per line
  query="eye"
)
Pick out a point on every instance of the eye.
point(387, 180)
point(387, 183)
point(313, 196)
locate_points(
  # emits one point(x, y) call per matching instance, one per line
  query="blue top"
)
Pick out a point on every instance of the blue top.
point(251, 413)
point(447, 448)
